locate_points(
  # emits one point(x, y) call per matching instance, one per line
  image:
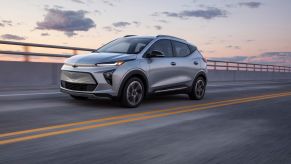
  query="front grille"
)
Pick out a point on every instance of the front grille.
point(77, 77)
point(78, 87)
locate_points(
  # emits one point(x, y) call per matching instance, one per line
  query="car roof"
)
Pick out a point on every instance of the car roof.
point(159, 37)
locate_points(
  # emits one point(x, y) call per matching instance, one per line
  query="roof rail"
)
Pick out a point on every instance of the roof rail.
point(128, 36)
point(169, 36)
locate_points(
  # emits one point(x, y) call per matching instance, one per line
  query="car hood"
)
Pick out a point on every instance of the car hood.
point(95, 58)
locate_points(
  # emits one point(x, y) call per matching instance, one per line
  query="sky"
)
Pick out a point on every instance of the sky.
point(219, 28)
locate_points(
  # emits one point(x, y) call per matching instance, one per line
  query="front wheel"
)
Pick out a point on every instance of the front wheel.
point(132, 93)
point(198, 89)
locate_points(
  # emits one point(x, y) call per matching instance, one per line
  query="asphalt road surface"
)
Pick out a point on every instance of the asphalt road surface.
point(241, 123)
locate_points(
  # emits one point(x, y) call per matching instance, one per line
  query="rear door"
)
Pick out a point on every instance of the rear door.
point(187, 63)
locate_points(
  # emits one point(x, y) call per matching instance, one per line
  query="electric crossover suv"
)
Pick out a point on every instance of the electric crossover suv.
point(131, 68)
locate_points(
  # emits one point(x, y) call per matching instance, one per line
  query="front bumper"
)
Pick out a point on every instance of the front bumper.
point(86, 82)
point(85, 94)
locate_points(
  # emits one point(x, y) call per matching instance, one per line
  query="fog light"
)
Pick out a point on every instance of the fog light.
point(108, 76)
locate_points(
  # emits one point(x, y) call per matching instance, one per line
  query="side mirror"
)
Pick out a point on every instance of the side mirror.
point(156, 54)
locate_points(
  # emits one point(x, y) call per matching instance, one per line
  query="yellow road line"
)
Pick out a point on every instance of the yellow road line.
point(133, 119)
point(123, 116)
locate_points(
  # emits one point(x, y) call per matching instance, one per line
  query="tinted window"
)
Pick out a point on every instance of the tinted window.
point(181, 49)
point(163, 46)
point(126, 45)
point(192, 48)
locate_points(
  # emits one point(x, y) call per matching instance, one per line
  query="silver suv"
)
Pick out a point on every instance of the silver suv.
point(132, 67)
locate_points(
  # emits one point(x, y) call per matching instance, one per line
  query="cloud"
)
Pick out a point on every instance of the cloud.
point(45, 34)
point(9, 22)
point(208, 13)
point(6, 23)
point(172, 14)
point(157, 27)
point(108, 3)
point(137, 23)
point(250, 40)
point(163, 21)
point(67, 21)
point(110, 29)
point(12, 37)
point(98, 11)
point(230, 5)
point(78, 1)
point(251, 4)
point(58, 7)
point(121, 24)
point(233, 47)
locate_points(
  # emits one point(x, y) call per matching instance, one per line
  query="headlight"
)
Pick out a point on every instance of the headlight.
point(118, 63)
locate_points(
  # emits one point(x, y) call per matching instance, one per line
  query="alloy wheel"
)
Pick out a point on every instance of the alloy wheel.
point(134, 93)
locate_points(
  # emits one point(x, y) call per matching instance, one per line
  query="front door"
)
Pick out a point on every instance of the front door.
point(162, 70)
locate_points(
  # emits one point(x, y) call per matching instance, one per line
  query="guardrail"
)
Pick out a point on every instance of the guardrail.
point(26, 49)
point(212, 64)
point(239, 66)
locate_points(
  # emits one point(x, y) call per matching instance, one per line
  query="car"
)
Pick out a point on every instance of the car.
point(132, 68)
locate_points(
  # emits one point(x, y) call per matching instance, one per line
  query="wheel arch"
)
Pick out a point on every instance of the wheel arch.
point(134, 73)
point(201, 74)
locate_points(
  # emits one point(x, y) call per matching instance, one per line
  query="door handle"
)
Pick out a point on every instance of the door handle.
point(196, 62)
point(173, 63)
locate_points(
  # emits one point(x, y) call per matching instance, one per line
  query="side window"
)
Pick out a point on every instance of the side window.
point(163, 46)
point(192, 48)
point(181, 49)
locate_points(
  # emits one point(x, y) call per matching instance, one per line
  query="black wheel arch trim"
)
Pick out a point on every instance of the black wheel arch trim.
point(203, 74)
point(131, 74)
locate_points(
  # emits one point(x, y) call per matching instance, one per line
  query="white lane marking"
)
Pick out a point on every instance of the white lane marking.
point(28, 94)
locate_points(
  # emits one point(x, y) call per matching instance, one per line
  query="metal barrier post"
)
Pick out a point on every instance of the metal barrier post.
point(26, 57)
point(214, 65)
point(75, 52)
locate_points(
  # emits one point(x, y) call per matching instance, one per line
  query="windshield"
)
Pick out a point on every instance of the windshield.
point(126, 45)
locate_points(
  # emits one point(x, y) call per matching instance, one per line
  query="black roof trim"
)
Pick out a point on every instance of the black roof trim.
point(128, 36)
point(169, 36)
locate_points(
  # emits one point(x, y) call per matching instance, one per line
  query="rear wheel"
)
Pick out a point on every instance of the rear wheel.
point(198, 89)
point(132, 93)
point(79, 97)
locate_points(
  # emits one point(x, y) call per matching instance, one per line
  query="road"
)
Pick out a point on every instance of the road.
point(243, 123)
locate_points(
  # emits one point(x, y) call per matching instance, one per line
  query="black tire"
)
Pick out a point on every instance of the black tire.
point(198, 89)
point(79, 97)
point(132, 93)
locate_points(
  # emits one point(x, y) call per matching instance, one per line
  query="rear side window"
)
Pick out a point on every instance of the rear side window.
point(163, 46)
point(181, 49)
point(192, 48)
